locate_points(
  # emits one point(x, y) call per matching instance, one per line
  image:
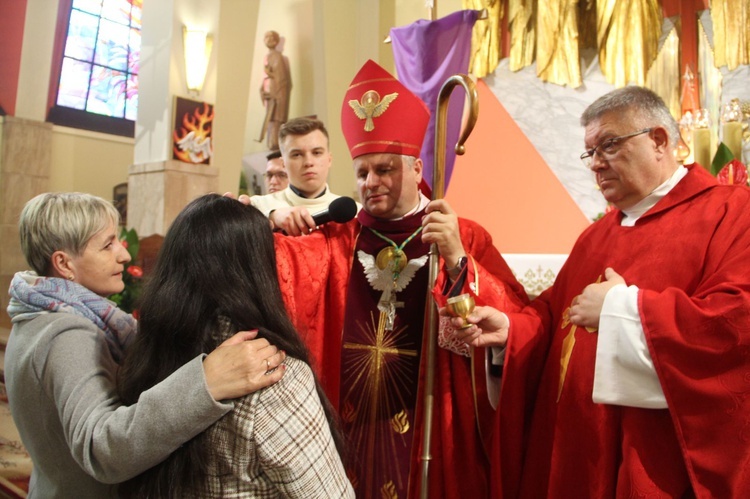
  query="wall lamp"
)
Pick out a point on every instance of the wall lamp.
point(197, 45)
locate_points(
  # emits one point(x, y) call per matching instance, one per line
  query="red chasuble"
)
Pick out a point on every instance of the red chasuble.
point(370, 361)
point(690, 258)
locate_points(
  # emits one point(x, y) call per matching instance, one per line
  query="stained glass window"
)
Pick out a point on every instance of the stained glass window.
point(99, 72)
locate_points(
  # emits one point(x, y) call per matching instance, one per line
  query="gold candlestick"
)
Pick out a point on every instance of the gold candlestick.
point(461, 306)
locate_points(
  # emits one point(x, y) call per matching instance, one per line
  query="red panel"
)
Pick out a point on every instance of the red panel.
point(12, 23)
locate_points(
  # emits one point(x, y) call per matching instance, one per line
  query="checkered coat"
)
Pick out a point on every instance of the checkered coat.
point(276, 443)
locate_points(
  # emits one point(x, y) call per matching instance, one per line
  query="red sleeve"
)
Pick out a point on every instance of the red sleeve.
point(313, 274)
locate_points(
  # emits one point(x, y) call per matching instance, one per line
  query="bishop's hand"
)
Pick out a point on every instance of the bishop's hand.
point(440, 226)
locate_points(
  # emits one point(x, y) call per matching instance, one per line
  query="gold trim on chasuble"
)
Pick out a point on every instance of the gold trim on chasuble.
point(568, 343)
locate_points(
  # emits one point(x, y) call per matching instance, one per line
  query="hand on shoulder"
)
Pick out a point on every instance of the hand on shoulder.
point(243, 365)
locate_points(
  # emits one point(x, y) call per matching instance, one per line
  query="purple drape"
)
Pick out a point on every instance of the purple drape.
point(427, 53)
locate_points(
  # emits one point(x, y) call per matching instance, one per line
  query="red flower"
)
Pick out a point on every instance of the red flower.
point(124, 244)
point(733, 173)
point(135, 271)
point(136, 315)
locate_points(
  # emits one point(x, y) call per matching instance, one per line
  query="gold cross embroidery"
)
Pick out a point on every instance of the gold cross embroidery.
point(372, 369)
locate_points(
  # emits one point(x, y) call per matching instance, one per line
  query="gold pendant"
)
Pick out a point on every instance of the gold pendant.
point(391, 254)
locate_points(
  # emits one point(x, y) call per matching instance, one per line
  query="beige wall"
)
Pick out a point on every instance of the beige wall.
point(88, 161)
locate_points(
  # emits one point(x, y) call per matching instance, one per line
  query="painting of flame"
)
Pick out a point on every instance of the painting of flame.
point(191, 137)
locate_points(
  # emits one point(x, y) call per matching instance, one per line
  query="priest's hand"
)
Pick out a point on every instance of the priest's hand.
point(294, 220)
point(489, 327)
point(587, 307)
point(440, 226)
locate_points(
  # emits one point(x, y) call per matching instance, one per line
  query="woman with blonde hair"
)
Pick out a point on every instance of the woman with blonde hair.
point(67, 343)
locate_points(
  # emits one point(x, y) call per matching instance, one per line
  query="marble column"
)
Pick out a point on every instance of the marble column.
point(157, 192)
point(25, 158)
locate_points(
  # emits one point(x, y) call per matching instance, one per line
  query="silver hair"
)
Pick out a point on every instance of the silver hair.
point(408, 160)
point(61, 221)
point(647, 106)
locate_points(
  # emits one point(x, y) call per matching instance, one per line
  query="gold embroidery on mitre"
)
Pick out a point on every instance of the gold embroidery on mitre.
point(388, 491)
point(400, 422)
point(370, 106)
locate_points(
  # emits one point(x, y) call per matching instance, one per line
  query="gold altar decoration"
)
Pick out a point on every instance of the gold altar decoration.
point(521, 24)
point(625, 33)
point(663, 76)
point(557, 48)
point(731, 22)
point(628, 38)
point(485, 37)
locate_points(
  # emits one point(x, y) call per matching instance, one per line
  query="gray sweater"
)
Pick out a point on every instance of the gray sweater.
point(60, 380)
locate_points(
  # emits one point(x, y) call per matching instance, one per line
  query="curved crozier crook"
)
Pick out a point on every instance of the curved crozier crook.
point(441, 121)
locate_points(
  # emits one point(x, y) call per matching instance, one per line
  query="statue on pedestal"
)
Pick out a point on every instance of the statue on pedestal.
point(274, 91)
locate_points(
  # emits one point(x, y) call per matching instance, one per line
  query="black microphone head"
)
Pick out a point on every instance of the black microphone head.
point(342, 209)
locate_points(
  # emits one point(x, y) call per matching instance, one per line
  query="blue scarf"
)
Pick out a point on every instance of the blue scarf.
point(31, 296)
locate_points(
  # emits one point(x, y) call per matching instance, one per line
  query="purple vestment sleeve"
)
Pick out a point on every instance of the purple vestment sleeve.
point(426, 54)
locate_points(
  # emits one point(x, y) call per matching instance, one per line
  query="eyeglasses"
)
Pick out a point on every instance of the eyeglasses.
point(279, 175)
point(609, 147)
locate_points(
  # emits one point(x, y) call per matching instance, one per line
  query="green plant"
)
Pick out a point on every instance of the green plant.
point(127, 299)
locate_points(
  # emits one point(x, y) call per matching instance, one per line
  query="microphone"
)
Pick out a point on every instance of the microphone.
point(340, 210)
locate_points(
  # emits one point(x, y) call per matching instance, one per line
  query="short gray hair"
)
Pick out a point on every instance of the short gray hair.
point(61, 221)
point(646, 104)
point(408, 160)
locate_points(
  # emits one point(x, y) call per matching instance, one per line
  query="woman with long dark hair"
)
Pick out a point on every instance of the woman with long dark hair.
point(216, 274)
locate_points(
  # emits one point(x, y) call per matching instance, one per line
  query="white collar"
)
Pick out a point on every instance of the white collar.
point(421, 205)
point(635, 212)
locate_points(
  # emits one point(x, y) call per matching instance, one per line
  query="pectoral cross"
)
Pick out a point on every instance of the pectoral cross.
point(390, 315)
